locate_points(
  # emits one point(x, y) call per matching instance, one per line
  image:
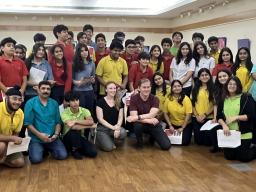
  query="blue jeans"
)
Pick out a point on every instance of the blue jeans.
point(56, 148)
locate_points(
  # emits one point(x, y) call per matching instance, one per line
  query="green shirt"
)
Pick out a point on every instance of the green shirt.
point(174, 51)
point(69, 115)
point(232, 108)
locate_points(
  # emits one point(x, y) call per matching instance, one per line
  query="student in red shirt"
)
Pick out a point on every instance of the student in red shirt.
point(167, 56)
point(13, 70)
point(140, 71)
point(101, 50)
point(59, 71)
point(225, 61)
point(61, 34)
point(129, 55)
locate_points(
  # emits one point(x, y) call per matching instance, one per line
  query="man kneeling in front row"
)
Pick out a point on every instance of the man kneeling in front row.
point(143, 110)
point(11, 121)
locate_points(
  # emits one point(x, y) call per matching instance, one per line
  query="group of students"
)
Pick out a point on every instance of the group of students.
point(184, 87)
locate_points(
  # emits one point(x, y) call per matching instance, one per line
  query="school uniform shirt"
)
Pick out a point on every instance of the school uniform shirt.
point(161, 97)
point(179, 70)
point(177, 112)
point(153, 65)
point(202, 104)
point(136, 74)
point(130, 59)
point(12, 72)
point(167, 60)
point(10, 125)
point(68, 115)
point(204, 62)
point(100, 55)
point(221, 66)
point(252, 90)
point(215, 56)
point(111, 70)
point(245, 77)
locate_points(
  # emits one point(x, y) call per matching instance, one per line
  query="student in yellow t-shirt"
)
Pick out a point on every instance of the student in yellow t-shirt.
point(202, 101)
point(156, 61)
point(161, 90)
point(242, 67)
point(177, 112)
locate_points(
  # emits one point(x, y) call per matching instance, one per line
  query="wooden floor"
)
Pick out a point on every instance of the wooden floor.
point(182, 169)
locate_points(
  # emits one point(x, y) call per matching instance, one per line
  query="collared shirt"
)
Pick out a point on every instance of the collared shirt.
point(245, 77)
point(111, 70)
point(215, 55)
point(153, 65)
point(130, 59)
point(43, 66)
point(167, 60)
point(136, 74)
point(43, 118)
point(12, 72)
point(57, 72)
point(10, 125)
point(221, 66)
point(69, 115)
point(204, 62)
point(100, 55)
point(69, 55)
point(179, 70)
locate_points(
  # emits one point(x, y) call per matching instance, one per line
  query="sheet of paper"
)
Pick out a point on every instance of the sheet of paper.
point(175, 138)
point(13, 148)
point(231, 141)
point(36, 75)
point(208, 126)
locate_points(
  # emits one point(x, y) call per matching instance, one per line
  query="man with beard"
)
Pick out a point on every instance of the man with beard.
point(42, 119)
point(11, 120)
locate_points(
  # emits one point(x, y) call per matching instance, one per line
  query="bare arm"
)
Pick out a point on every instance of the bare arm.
point(100, 79)
point(186, 121)
point(125, 81)
point(24, 84)
point(3, 87)
point(171, 75)
point(99, 113)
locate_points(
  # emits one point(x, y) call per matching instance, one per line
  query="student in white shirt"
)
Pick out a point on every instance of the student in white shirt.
point(182, 67)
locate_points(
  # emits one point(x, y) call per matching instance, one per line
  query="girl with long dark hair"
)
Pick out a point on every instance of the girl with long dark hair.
point(156, 60)
point(177, 112)
point(84, 76)
point(242, 67)
point(183, 67)
point(236, 112)
point(202, 101)
point(59, 70)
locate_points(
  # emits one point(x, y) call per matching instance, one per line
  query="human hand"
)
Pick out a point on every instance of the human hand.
point(117, 133)
point(44, 137)
point(231, 119)
point(17, 140)
point(226, 130)
point(132, 119)
point(71, 123)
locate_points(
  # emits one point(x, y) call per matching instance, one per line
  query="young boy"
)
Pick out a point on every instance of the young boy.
point(166, 44)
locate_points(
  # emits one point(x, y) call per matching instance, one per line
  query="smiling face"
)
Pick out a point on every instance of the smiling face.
point(243, 55)
point(145, 88)
point(111, 89)
point(158, 80)
point(8, 49)
point(84, 53)
point(58, 53)
point(184, 50)
point(226, 56)
point(13, 102)
point(155, 52)
point(44, 91)
point(40, 53)
point(204, 77)
point(200, 49)
point(177, 88)
point(222, 77)
point(232, 87)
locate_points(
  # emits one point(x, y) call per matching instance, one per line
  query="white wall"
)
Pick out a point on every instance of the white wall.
point(233, 31)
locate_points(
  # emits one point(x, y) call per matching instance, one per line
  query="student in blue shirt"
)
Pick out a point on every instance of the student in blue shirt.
point(42, 119)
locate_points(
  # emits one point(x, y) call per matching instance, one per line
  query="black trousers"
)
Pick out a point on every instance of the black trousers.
point(155, 131)
point(186, 134)
point(213, 136)
point(201, 137)
point(57, 93)
point(187, 91)
point(73, 139)
point(242, 153)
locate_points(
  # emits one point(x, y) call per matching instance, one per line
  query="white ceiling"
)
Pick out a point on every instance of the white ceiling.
point(149, 8)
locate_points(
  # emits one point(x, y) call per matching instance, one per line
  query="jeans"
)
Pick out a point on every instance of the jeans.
point(56, 148)
point(73, 139)
point(155, 131)
point(105, 137)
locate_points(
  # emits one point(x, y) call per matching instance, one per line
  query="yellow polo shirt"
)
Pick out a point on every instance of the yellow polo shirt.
point(153, 66)
point(245, 77)
point(215, 56)
point(162, 97)
point(9, 125)
point(111, 70)
point(202, 104)
point(177, 112)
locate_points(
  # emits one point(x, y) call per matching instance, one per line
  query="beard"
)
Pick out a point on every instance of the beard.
point(10, 107)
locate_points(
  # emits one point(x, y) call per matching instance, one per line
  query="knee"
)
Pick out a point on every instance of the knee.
point(3, 148)
point(123, 134)
point(107, 148)
point(166, 146)
point(61, 155)
point(35, 159)
point(18, 163)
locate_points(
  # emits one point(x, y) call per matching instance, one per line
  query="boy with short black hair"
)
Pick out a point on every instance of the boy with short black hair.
point(129, 55)
point(13, 70)
point(176, 39)
point(166, 44)
point(102, 50)
point(88, 29)
point(214, 48)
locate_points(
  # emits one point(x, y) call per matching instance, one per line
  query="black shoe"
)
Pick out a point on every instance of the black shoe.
point(76, 155)
point(215, 150)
